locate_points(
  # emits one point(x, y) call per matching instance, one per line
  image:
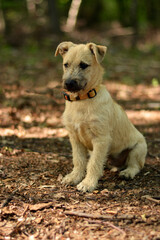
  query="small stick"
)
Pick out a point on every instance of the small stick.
point(154, 168)
point(10, 197)
point(108, 224)
point(151, 199)
point(88, 215)
point(153, 156)
point(25, 210)
point(115, 227)
point(7, 200)
point(98, 216)
point(16, 227)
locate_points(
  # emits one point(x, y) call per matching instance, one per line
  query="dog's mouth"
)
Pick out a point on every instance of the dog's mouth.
point(72, 85)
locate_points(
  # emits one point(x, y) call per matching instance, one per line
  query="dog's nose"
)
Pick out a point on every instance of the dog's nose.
point(71, 85)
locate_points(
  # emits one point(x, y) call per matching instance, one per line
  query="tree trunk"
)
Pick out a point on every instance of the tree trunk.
point(72, 15)
point(134, 22)
point(2, 21)
point(54, 16)
point(7, 23)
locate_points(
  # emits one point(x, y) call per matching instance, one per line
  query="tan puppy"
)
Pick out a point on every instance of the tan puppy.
point(94, 121)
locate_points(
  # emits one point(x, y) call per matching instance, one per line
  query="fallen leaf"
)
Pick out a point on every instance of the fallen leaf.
point(143, 217)
point(38, 220)
point(59, 195)
point(104, 191)
point(60, 177)
point(40, 206)
point(7, 229)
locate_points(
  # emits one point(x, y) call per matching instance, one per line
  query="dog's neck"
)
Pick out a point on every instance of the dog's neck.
point(81, 96)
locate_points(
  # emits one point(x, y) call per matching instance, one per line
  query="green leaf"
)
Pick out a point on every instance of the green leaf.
point(155, 82)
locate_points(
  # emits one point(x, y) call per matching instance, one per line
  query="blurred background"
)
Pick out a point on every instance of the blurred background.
point(35, 151)
point(30, 74)
point(31, 29)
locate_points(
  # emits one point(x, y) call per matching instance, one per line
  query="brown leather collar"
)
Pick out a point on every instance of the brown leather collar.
point(90, 94)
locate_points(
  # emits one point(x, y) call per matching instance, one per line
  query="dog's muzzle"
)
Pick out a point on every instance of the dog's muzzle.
point(72, 86)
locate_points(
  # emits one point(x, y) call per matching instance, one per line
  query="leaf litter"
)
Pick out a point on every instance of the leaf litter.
point(35, 154)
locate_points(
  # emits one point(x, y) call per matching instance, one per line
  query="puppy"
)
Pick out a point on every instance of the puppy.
point(95, 122)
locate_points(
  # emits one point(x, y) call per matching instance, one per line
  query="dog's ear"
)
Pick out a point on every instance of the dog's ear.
point(98, 51)
point(63, 48)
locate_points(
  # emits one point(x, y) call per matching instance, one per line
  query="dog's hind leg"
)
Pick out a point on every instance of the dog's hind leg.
point(135, 160)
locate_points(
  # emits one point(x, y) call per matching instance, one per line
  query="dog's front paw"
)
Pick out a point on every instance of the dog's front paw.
point(86, 186)
point(129, 173)
point(72, 179)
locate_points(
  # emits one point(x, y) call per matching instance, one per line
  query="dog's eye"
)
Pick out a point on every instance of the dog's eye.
point(83, 65)
point(66, 65)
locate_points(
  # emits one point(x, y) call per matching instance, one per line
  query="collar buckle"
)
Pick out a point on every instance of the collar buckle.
point(92, 93)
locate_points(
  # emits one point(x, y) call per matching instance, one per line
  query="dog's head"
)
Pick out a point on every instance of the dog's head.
point(81, 65)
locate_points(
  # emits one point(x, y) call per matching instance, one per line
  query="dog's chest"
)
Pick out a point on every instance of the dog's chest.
point(79, 126)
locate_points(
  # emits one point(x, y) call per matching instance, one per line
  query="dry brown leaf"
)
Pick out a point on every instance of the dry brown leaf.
point(40, 206)
point(7, 229)
point(59, 195)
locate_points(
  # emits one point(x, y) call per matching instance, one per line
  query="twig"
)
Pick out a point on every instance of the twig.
point(154, 141)
point(10, 197)
point(153, 156)
point(108, 224)
point(88, 215)
point(115, 227)
point(154, 168)
point(16, 227)
point(151, 199)
point(98, 216)
point(25, 210)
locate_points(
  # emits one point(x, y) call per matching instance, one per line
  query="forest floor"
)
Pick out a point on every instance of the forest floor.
point(35, 153)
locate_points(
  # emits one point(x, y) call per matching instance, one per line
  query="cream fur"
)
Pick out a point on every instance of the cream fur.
point(98, 125)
